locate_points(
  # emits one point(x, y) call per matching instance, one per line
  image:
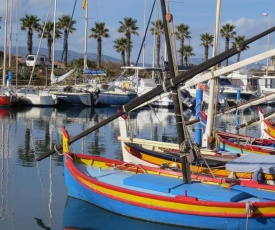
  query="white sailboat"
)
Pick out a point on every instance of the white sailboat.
point(33, 96)
point(7, 96)
point(68, 95)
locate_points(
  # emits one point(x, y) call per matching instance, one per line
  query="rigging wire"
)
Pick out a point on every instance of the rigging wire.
point(69, 28)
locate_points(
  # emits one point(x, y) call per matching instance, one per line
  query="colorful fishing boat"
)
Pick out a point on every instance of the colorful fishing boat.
point(161, 196)
point(240, 144)
point(267, 127)
point(209, 162)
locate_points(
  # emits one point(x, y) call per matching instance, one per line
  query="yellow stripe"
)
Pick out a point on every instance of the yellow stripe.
point(176, 206)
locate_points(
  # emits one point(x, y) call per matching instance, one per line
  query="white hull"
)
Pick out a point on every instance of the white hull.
point(30, 96)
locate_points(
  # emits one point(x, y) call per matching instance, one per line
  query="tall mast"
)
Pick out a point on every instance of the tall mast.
point(86, 33)
point(144, 25)
point(53, 45)
point(167, 23)
point(213, 83)
point(10, 40)
point(5, 44)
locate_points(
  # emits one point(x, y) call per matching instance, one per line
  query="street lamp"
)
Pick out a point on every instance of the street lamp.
point(268, 26)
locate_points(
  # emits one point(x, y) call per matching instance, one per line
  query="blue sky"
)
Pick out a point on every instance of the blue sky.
point(246, 15)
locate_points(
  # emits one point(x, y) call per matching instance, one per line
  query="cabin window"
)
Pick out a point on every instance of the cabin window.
point(272, 83)
point(30, 58)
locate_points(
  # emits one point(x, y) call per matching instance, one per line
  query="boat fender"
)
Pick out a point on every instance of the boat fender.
point(258, 175)
point(125, 85)
point(232, 175)
point(175, 166)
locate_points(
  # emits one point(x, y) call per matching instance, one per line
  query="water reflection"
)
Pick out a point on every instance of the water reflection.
point(79, 214)
point(33, 194)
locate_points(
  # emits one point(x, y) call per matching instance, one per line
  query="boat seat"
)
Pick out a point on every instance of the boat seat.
point(177, 187)
point(210, 192)
point(153, 182)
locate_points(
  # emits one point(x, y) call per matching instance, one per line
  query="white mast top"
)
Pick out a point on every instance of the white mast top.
point(85, 6)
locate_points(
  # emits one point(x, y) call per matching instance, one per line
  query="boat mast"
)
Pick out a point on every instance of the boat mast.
point(10, 40)
point(53, 45)
point(85, 4)
point(167, 23)
point(5, 44)
point(213, 83)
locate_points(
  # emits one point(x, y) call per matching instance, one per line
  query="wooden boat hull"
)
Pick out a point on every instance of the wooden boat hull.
point(267, 128)
point(105, 187)
point(234, 144)
point(154, 159)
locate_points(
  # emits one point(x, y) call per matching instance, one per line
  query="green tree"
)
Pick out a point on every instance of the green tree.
point(30, 23)
point(48, 34)
point(120, 47)
point(157, 30)
point(186, 51)
point(238, 40)
point(182, 33)
point(66, 25)
point(99, 32)
point(227, 31)
point(206, 41)
point(128, 27)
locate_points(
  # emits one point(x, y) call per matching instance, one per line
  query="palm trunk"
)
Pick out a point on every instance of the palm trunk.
point(128, 48)
point(99, 47)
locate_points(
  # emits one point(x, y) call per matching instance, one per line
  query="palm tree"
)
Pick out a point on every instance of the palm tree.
point(99, 32)
point(66, 24)
point(227, 31)
point(128, 27)
point(207, 40)
point(48, 34)
point(120, 47)
point(182, 33)
point(186, 51)
point(158, 30)
point(31, 24)
point(237, 43)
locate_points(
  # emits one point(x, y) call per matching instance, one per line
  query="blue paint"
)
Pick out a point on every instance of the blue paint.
point(198, 131)
point(238, 111)
point(77, 190)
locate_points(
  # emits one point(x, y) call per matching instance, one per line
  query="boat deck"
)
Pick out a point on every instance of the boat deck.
point(172, 187)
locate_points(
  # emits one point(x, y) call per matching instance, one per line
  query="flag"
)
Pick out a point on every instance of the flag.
point(84, 4)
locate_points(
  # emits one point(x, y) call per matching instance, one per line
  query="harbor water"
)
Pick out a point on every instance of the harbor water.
point(33, 194)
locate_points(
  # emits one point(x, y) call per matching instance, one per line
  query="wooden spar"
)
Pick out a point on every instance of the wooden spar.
point(182, 77)
point(255, 120)
point(207, 76)
point(239, 106)
point(246, 104)
point(217, 73)
point(172, 62)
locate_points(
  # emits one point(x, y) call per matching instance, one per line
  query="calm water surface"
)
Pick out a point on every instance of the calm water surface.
point(33, 194)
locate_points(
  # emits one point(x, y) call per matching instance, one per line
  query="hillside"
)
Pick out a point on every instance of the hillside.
point(22, 51)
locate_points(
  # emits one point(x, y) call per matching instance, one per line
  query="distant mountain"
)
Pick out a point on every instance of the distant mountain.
point(22, 51)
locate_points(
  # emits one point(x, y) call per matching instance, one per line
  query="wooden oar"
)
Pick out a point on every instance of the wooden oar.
point(168, 85)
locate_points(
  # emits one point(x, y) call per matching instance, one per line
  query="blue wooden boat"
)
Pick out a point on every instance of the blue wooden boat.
point(161, 196)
